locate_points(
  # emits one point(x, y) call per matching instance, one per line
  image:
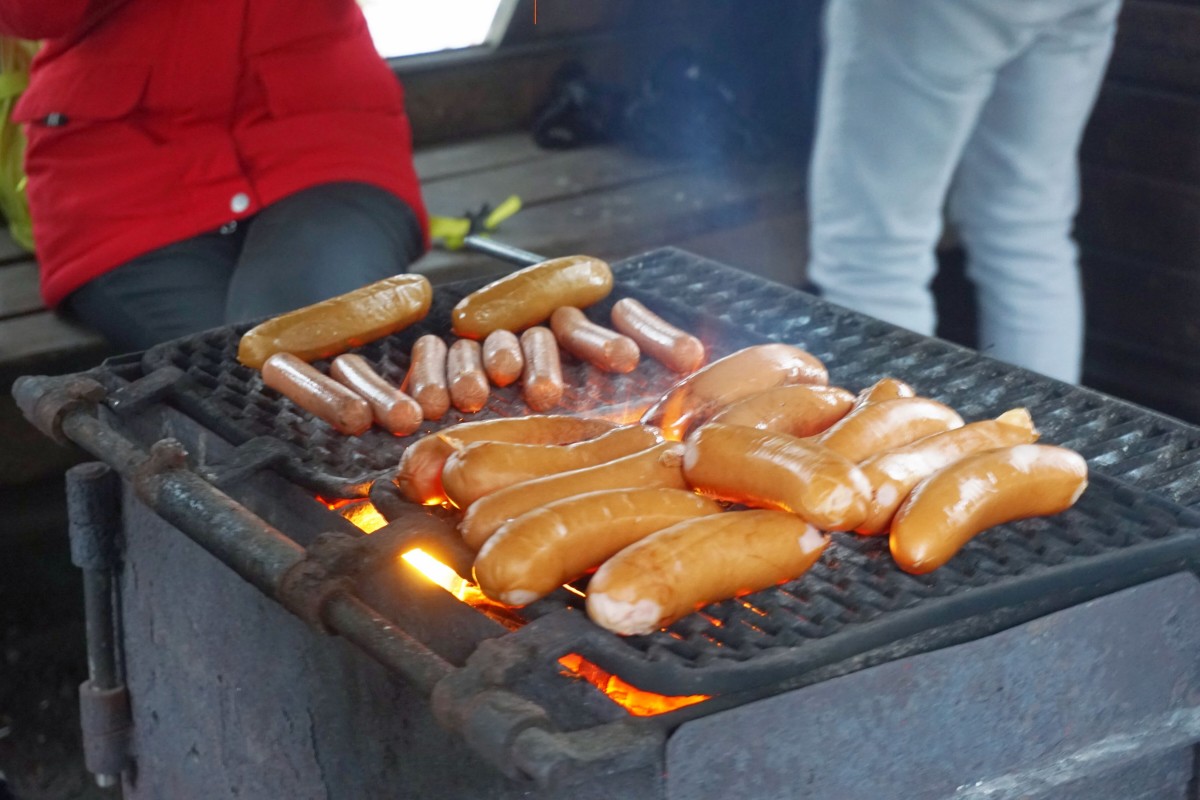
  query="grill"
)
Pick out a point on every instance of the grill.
point(1138, 522)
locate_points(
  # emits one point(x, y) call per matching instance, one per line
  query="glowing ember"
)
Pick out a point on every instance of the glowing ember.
point(632, 699)
point(448, 579)
point(361, 513)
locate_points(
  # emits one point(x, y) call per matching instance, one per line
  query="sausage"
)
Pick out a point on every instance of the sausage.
point(798, 410)
point(335, 325)
point(604, 349)
point(419, 474)
point(528, 296)
point(677, 570)
point(481, 468)
point(874, 427)
point(535, 553)
point(697, 397)
point(395, 411)
point(676, 350)
point(884, 389)
point(893, 473)
point(542, 381)
point(654, 467)
point(468, 384)
point(317, 394)
point(776, 471)
point(949, 508)
point(502, 357)
point(426, 379)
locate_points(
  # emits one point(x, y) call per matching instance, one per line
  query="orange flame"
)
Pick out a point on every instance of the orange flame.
point(632, 699)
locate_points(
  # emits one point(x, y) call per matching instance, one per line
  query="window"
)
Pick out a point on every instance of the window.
point(408, 27)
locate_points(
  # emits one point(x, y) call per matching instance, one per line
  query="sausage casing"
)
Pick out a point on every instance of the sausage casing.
point(502, 357)
point(317, 394)
point(394, 410)
point(797, 410)
point(535, 553)
point(604, 349)
point(677, 350)
point(874, 427)
point(426, 379)
point(949, 508)
point(465, 378)
point(675, 571)
point(884, 389)
point(542, 380)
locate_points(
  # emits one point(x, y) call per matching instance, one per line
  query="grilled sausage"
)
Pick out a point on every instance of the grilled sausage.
point(797, 410)
point(481, 468)
point(535, 553)
point(884, 389)
point(697, 397)
point(502, 358)
point(874, 427)
point(893, 473)
point(528, 296)
point(334, 326)
point(317, 394)
point(426, 379)
point(468, 384)
point(671, 573)
point(419, 475)
point(676, 350)
point(776, 471)
point(604, 349)
point(948, 509)
point(654, 467)
point(542, 381)
point(393, 410)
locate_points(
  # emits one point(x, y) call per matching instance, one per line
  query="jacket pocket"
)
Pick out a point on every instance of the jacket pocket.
point(66, 91)
point(344, 75)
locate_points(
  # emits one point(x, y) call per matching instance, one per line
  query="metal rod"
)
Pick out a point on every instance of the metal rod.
point(504, 252)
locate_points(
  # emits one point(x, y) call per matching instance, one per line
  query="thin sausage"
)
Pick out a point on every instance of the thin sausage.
point(799, 410)
point(602, 348)
point(884, 389)
point(317, 394)
point(468, 384)
point(697, 397)
point(893, 473)
point(776, 471)
point(677, 570)
point(949, 508)
point(874, 427)
point(502, 357)
point(419, 474)
point(676, 350)
point(654, 467)
point(542, 381)
point(481, 468)
point(535, 553)
point(426, 380)
point(395, 411)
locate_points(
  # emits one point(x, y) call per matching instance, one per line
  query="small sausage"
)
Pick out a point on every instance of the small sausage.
point(697, 397)
point(776, 471)
point(798, 410)
point(426, 380)
point(502, 357)
point(874, 427)
point(469, 387)
point(604, 349)
point(893, 473)
point(949, 508)
point(419, 474)
point(654, 467)
point(535, 553)
point(677, 570)
point(676, 350)
point(317, 394)
point(542, 381)
point(395, 411)
point(884, 389)
point(481, 468)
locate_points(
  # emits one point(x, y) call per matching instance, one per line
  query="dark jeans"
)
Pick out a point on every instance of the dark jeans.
point(308, 247)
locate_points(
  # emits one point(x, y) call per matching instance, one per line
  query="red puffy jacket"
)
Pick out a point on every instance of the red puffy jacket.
point(151, 121)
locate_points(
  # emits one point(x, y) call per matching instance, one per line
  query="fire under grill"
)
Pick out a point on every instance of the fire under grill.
point(1138, 521)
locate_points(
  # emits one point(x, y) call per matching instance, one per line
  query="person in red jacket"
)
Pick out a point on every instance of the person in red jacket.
point(192, 164)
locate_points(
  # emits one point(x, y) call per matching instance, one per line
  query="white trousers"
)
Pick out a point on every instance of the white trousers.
point(975, 108)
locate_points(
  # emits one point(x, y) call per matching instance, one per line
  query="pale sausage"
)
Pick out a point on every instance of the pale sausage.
point(426, 380)
point(393, 410)
point(602, 348)
point(676, 350)
point(502, 358)
point(466, 380)
point(317, 394)
point(542, 381)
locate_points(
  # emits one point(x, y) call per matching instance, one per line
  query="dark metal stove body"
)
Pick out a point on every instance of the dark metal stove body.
point(232, 695)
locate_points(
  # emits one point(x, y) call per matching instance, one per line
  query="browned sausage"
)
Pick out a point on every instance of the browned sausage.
point(676, 570)
point(604, 349)
point(481, 468)
point(676, 350)
point(502, 358)
point(799, 410)
point(949, 508)
point(317, 394)
point(469, 388)
point(878, 426)
point(542, 381)
point(774, 470)
point(884, 389)
point(537, 552)
point(395, 411)
point(426, 380)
